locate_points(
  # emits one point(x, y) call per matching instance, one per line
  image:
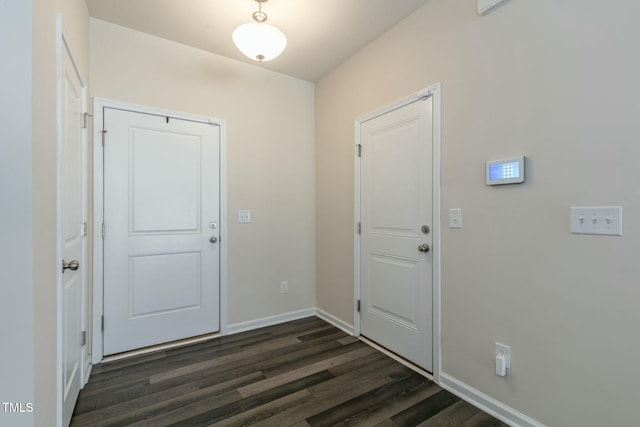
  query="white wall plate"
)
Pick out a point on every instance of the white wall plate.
point(606, 220)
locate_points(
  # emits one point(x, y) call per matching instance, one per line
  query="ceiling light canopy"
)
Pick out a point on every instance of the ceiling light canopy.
point(258, 40)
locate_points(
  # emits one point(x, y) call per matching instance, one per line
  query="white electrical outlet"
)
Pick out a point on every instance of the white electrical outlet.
point(284, 287)
point(503, 359)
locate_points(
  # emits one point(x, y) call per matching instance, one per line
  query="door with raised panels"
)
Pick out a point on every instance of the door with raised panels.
point(396, 215)
point(73, 231)
point(161, 216)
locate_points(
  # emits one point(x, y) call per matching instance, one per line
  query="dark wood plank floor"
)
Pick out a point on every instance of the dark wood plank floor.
point(301, 373)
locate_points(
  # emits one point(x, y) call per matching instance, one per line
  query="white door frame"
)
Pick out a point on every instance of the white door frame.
point(434, 91)
point(98, 210)
point(62, 44)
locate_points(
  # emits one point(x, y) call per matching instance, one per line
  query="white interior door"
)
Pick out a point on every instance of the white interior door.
point(161, 216)
point(396, 215)
point(72, 233)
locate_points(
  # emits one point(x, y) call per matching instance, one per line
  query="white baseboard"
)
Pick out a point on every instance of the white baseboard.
point(87, 373)
point(487, 403)
point(231, 329)
point(269, 321)
point(338, 323)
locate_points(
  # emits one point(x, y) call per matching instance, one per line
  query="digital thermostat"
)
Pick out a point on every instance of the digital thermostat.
point(508, 171)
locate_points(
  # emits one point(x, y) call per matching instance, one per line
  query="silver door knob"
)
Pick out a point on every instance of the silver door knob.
point(71, 265)
point(213, 239)
point(423, 247)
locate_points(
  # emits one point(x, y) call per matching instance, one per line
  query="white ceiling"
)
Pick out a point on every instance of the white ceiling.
point(321, 34)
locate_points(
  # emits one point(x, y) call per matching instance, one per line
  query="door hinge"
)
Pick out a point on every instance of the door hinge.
point(358, 306)
point(102, 323)
point(83, 231)
point(359, 148)
point(359, 227)
point(83, 338)
point(103, 132)
point(85, 120)
point(103, 231)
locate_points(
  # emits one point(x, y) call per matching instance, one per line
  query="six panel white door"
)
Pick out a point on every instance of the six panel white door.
point(161, 214)
point(396, 202)
point(72, 236)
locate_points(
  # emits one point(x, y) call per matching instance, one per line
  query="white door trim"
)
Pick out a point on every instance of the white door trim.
point(434, 91)
point(98, 209)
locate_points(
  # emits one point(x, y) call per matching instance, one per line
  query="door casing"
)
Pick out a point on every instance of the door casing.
point(98, 196)
point(434, 91)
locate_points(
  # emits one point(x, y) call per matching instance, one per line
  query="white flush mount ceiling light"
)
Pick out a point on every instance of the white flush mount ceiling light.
point(259, 40)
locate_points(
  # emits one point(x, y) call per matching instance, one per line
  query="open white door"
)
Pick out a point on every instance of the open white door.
point(72, 232)
point(161, 218)
point(396, 212)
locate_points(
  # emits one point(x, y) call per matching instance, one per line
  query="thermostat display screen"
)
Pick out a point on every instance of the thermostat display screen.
point(509, 171)
point(504, 171)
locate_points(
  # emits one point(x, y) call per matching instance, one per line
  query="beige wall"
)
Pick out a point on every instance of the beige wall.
point(555, 81)
point(270, 120)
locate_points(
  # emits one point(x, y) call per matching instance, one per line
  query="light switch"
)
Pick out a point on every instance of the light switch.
point(244, 216)
point(606, 220)
point(455, 218)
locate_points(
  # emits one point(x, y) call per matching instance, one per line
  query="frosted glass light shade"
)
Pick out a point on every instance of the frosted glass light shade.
point(261, 42)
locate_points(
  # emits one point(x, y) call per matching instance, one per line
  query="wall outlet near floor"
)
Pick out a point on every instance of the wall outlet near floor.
point(284, 287)
point(503, 359)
